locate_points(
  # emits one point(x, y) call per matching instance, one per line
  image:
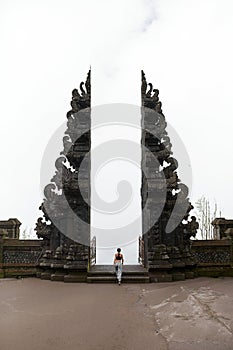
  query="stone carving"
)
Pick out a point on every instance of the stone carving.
point(62, 195)
point(177, 206)
point(21, 256)
point(81, 100)
point(43, 229)
point(213, 255)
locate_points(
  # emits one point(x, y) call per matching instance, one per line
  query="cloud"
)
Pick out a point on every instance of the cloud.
point(47, 47)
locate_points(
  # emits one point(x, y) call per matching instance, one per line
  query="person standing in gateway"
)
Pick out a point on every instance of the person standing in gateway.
point(118, 262)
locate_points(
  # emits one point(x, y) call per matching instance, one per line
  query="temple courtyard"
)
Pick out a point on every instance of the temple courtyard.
point(191, 314)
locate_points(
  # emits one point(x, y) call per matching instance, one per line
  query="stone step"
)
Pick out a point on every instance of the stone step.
point(124, 273)
point(111, 268)
point(106, 274)
point(112, 279)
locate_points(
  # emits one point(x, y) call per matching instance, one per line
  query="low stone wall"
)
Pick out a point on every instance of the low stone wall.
point(214, 257)
point(19, 257)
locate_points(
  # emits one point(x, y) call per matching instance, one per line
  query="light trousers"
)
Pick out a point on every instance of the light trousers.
point(118, 268)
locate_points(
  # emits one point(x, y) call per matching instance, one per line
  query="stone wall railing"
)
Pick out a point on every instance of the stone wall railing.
point(214, 257)
point(19, 257)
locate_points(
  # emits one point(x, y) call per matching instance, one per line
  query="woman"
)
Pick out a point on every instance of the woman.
point(118, 262)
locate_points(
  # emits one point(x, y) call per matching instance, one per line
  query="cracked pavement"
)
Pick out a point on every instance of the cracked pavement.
point(191, 314)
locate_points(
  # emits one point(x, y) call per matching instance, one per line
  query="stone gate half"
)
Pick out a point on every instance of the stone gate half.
point(166, 226)
point(65, 225)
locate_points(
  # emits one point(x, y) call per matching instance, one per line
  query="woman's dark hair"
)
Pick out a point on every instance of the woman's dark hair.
point(118, 249)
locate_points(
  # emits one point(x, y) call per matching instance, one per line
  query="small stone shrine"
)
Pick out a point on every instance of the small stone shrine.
point(10, 228)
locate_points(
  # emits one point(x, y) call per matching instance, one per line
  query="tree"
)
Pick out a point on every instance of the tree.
point(28, 234)
point(205, 214)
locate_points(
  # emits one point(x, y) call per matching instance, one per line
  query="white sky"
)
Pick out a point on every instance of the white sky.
point(184, 46)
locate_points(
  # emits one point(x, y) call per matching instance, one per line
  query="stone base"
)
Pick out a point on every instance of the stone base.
point(160, 278)
point(178, 264)
point(189, 274)
point(214, 271)
point(46, 275)
point(178, 276)
point(160, 266)
point(168, 272)
point(19, 272)
point(58, 276)
point(72, 277)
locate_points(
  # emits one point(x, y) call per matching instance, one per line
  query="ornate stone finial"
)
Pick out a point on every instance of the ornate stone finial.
point(150, 98)
point(82, 99)
point(144, 84)
point(88, 82)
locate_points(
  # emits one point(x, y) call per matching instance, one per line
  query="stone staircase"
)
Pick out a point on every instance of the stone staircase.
point(106, 274)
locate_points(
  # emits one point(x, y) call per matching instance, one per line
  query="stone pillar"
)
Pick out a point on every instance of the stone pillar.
point(2, 238)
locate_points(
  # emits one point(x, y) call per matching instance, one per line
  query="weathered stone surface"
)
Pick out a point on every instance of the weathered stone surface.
point(66, 240)
point(163, 251)
point(10, 228)
point(21, 257)
point(223, 228)
point(18, 257)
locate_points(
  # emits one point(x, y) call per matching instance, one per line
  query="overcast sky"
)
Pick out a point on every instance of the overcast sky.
point(184, 47)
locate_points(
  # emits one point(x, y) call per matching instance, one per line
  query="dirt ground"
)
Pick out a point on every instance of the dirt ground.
point(189, 315)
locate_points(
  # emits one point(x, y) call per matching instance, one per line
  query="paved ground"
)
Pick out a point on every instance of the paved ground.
point(194, 314)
